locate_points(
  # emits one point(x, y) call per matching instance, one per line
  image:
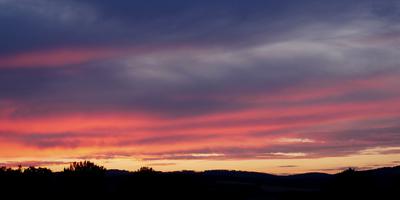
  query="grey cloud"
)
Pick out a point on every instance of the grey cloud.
point(230, 23)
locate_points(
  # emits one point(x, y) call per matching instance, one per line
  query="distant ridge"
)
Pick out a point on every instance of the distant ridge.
point(95, 182)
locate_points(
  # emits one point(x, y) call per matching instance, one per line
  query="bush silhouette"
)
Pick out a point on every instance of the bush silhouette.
point(146, 170)
point(349, 171)
point(37, 171)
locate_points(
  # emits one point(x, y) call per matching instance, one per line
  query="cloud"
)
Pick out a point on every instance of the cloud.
point(31, 163)
point(162, 80)
point(161, 164)
point(56, 58)
point(288, 166)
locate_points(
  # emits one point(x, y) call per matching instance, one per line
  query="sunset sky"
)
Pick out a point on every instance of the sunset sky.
point(278, 86)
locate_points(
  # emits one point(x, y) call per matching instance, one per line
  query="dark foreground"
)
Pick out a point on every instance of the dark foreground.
point(97, 183)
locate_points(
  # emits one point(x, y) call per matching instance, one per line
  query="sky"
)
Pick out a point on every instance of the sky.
point(260, 85)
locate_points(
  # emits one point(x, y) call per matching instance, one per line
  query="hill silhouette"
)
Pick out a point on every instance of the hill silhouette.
point(87, 180)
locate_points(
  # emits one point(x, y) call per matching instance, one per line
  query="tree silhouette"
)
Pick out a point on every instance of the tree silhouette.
point(85, 168)
point(10, 171)
point(3, 169)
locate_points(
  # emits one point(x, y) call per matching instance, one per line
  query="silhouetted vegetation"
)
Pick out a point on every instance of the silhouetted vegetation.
point(146, 170)
point(37, 171)
point(85, 168)
point(86, 179)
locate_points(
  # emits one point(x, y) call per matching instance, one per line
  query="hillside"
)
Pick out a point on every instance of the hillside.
point(215, 184)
